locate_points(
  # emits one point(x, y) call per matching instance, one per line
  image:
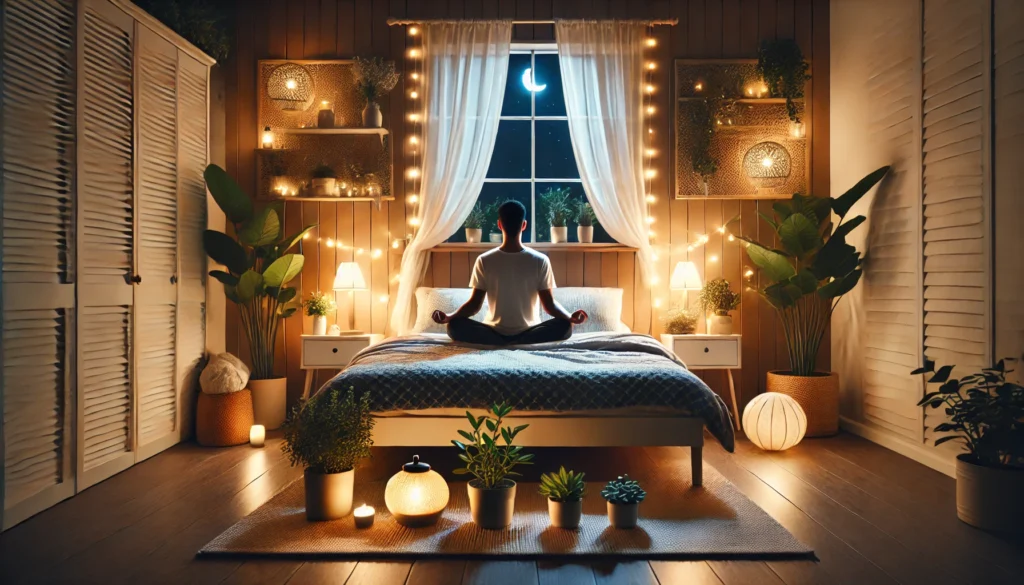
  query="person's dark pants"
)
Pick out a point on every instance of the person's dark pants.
point(470, 331)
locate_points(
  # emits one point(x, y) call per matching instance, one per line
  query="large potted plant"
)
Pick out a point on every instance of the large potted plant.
point(564, 491)
point(586, 219)
point(258, 269)
point(986, 412)
point(556, 201)
point(374, 78)
point(490, 458)
point(474, 224)
point(718, 299)
point(328, 435)
point(803, 281)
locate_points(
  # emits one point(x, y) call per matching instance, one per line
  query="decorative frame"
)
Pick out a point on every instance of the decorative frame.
point(729, 94)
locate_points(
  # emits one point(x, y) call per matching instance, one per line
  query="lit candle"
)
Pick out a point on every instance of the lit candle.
point(325, 117)
point(364, 516)
point(257, 435)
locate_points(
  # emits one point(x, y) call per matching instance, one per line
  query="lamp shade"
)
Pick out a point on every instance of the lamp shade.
point(685, 277)
point(349, 277)
point(767, 160)
point(416, 495)
point(774, 421)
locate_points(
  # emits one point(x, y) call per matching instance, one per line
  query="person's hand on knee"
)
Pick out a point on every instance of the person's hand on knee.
point(578, 317)
point(440, 317)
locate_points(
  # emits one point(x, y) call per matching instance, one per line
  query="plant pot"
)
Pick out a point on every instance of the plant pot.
point(474, 235)
point(720, 325)
point(328, 495)
point(372, 118)
point(585, 234)
point(704, 187)
point(565, 514)
point(990, 497)
point(319, 325)
point(817, 395)
point(494, 237)
point(492, 508)
point(223, 419)
point(326, 187)
point(268, 401)
point(623, 515)
point(559, 235)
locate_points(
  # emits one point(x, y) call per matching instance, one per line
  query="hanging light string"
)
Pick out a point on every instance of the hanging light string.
point(416, 114)
point(647, 103)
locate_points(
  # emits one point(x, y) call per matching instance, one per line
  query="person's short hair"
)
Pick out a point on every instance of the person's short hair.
point(512, 213)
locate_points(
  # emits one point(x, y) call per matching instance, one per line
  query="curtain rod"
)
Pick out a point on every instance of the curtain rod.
point(405, 22)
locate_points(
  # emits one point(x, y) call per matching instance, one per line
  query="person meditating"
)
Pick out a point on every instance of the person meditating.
point(513, 278)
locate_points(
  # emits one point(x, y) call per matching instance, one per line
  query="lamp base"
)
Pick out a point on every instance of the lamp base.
point(417, 521)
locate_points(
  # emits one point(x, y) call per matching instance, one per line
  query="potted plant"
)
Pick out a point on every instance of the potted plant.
point(783, 68)
point(324, 181)
point(491, 220)
point(258, 268)
point(374, 78)
point(718, 299)
point(564, 491)
point(328, 435)
point(703, 124)
point(556, 200)
point(624, 496)
point(474, 224)
point(318, 306)
point(805, 277)
point(490, 458)
point(987, 413)
point(585, 221)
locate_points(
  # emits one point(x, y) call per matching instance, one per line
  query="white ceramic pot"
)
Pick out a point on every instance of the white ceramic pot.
point(324, 187)
point(268, 401)
point(492, 508)
point(720, 325)
point(328, 495)
point(494, 237)
point(565, 514)
point(704, 187)
point(623, 515)
point(559, 235)
point(474, 235)
point(319, 325)
point(990, 497)
point(585, 234)
point(372, 118)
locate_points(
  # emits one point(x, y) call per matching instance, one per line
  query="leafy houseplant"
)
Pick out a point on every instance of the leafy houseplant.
point(325, 180)
point(624, 496)
point(783, 68)
point(585, 221)
point(490, 458)
point(557, 202)
point(564, 491)
point(328, 435)
point(703, 123)
point(318, 306)
point(804, 281)
point(474, 223)
point(718, 299)
point(374, 78)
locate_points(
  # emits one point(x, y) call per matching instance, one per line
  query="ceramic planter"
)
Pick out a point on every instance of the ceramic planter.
point(623, 515)
point(494, 237)
point(326, 187)
point(492, 508)
point(319, 325)
point(328, 495)
point(565, 514)
point(990, 497)
point(559, 235)
point(474, 235)
point(720, 325)
point(585, 234)
point(817, 395)
point(268, 401)
point(372, 118)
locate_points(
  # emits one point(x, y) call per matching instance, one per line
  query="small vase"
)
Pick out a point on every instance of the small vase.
point(325, 119)
point(494, 237)
point(372, 118)
point(319, 325)
point(565, 514)
point(559, 235)
point(623, 515)
point(268, 401)
point(326, 187)
point(720, 325)
point(585, 234)
point(492, 509)
point(704, 187)
point(328, 495)
point(473, 235)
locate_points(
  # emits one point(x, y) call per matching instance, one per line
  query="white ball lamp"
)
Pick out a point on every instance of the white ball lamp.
point(417, 495)
point(774, 421)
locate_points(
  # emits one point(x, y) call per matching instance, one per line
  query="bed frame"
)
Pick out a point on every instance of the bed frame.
point(556, 431)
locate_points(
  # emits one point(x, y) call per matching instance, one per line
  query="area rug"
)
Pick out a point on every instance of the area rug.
point(676, 522)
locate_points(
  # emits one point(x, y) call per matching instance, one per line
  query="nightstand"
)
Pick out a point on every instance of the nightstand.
point(709, 352)
point(331, 352)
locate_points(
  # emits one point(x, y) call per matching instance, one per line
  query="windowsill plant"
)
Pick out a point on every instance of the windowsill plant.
point(556, 201)
point(586, 219)
point(474, 224)
point(624, 496)
point(564, 491)
point(718, 299)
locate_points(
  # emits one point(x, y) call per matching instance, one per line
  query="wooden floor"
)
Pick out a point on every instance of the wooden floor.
point(872, 517)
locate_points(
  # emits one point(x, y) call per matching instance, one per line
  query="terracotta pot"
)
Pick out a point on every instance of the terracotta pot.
point(565, 514)
point(720, 325)
point(623, 515)
point(324, 187)
point(372, 118)
point(559, 235)
point(494, 237)
point(474, 235)
point(328, 495)
point(990, 497)
point(585, 234)
point(817, 395)
point(224, 419)
point(268, 401)
point(492, 508)
point(319, 325)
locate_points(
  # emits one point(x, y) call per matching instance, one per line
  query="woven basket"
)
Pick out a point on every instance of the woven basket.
point(818, 396)
point(224, 419)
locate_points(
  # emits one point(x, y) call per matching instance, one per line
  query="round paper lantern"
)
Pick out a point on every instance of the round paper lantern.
point(774, 422)
point(416, 495)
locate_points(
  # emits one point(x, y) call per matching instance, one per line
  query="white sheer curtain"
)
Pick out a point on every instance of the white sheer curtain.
point(463, 86)
point(602, 78)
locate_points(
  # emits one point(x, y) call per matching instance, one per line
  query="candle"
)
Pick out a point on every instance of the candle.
point(267, 138)
point(325, 117)
point(364, 516)
point(257, 435)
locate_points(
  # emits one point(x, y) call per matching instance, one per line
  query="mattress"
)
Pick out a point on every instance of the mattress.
point(586, 373)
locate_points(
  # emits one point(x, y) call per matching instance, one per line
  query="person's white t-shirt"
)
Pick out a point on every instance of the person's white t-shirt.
point(512, 281)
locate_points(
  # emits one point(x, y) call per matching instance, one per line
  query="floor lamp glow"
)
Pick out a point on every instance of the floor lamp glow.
point(350, 278)
point(685, 278)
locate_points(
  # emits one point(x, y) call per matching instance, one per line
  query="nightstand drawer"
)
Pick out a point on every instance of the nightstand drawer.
point(336, 352)
point(697, 353)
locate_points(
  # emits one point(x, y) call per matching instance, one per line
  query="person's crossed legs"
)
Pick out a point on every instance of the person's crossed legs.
point(469, 331)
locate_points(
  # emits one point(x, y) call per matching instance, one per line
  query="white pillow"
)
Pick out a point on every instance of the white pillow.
point(448, 300)
point(602, 305)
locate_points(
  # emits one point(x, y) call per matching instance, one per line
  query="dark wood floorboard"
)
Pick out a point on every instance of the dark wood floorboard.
point(871, 516)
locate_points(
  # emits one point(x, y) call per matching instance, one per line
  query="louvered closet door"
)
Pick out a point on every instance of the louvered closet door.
point(37, 189)
point(106, 260)
point(156, 296)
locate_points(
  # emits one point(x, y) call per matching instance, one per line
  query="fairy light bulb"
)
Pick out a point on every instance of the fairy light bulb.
point(650, 220)
point(651, 234)
point(376, 253)
point(414, 53)
point(330, 243)
point(414, 140)
point(650, 152)
point(414, 117)
point(651, 42)
point(731, 238)
point(413, 31)
point(748, 273)
point(657, 302)
point(651, 66)
point(413, 173)
point(721, 229)
point(713, 258)
point(650, 173)
point(650, 130)
point(649, 88)
point(413, 199)
point(655, 280)
point(652, 199)
point(414, 221)
point(383, 299)
point(650, 109)
point(414, 94)
point(395, 244)
point(415, 75)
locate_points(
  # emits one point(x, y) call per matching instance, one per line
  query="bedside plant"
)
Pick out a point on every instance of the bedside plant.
point(318, 306)
point(474, 224)
point(564, 491)
point(586, 219)
point(324, 181)
point(718, 299)
point(558, 208)
point(624, 496)
point(490, 458)
point(679, 321)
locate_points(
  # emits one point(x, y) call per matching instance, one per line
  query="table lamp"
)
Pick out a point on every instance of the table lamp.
point(350, 278)
point(685, 278)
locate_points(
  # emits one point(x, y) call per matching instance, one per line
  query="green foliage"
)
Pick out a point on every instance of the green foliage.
point(374, 77)
point(985, 412)
point(475, 219)
point(330, 432)
point(585, 216)
point(814, 268)
point(784, 70)
point(487, 450)
point(319, 304)
point(558, 204)
point(623, 490)
point(717, 297)
point(702, 120)
point(564, 486)
point(204, 23)
point(323, 171)
point(258, 267)
point(679, 321)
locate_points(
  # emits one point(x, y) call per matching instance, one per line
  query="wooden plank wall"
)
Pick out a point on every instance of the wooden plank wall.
point(309, 29)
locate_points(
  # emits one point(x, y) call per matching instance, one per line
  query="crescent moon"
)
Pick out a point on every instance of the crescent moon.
point(528, 81)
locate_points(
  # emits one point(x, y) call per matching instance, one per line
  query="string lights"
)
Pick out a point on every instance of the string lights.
point(649, 152)
point(415, 117)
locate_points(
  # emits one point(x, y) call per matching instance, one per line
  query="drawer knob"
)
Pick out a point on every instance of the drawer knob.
point(334, 350)
point(706, 350)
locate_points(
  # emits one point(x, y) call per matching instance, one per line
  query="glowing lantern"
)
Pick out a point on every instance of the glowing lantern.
point(774, 421)
point(416, 495)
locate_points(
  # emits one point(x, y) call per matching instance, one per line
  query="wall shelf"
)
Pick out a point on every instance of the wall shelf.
point(742, 100)
point(541, 246)
point(326, 199)
point(379, 132)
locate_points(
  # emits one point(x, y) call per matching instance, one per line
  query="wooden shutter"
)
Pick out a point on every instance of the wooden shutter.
point(38, 113)
point(106, 263)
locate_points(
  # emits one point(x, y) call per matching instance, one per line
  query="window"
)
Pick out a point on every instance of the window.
point(533, 153)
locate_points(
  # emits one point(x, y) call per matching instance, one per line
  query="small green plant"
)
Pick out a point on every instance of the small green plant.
point(475, 219)
point(330, 432)
point(679, 321)
point(564, 486)
point(319, 304)
point(488, 461)
point(783, 69)
point(703, 124)
point(717, 297)
point(585, 216)
point(323, 171)
point(623, 490)
point(374, 77)
point(558, 205)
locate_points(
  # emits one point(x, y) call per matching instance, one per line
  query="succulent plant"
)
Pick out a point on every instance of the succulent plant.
point(564, 486)
point(623, 490)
